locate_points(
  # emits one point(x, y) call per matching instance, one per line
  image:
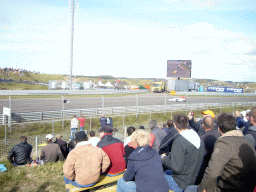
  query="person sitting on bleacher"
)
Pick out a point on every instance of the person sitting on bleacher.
point(145, 165)
point(84, 163)
point(20, 154)
point(115, 151)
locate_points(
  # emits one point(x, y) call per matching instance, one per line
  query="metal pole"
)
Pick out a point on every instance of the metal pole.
point(164, 104)
point(150, 112)
point(220, 103)
point(90, 123)
point(186, 104)
point(125, 133)
point(246, 100)
point(137, 106)
point(72, 4)
point(53, 128)
point(10, 121)
point(102, 103)
point(36, 146)
point(235, 100)
point(5, 128)
point(205, 100)
point(123, 121)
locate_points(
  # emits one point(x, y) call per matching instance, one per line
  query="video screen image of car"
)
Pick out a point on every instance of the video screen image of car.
point(179, 68)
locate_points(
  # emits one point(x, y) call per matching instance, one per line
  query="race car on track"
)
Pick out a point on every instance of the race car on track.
point(178, 99)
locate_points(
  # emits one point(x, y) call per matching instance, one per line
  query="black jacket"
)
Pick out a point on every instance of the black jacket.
point(21, 154)
point(63, 147)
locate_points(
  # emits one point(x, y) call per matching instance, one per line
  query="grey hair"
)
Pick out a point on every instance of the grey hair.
point(152, 123)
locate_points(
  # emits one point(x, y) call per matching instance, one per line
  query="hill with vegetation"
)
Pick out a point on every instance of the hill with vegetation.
point(27, 80)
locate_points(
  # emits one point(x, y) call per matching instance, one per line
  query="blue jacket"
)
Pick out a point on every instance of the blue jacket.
point(240, 122)
point(145, 164)
point(103, 121)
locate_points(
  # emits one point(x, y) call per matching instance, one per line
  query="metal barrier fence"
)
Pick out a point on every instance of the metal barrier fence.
point(25, 110)
point(7, 144)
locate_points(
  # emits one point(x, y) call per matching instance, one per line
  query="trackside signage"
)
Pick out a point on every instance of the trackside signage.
point(224, 89)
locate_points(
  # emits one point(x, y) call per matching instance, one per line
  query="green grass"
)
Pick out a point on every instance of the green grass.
point(32, 178)
point(22, 86)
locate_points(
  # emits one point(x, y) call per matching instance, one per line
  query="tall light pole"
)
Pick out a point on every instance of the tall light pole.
point(72, 8)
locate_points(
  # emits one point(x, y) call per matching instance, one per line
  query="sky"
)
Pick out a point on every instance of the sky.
point(131, 38)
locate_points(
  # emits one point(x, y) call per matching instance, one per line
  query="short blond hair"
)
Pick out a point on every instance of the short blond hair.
point(58, 136)
point(142, 137)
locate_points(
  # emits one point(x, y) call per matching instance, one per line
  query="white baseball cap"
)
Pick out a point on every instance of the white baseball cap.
point(49, 136)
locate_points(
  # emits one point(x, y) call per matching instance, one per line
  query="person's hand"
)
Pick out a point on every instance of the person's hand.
point(190, 116)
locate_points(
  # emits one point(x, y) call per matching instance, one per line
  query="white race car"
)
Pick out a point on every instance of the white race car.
point(178, 99)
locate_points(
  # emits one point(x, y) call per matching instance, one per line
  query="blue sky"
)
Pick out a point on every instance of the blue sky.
point(131, 38)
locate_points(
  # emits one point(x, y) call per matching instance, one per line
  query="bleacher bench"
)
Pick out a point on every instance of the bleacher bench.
point(103, 180)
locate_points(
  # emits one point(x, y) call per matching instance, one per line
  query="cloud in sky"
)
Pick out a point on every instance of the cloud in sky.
point(130, 38)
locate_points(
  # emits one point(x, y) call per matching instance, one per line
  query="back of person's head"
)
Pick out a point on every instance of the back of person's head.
point(134, 136)
point(142, 138)
point(252, 114)
point(74, 115)
point(130, 130)
point(237, 114)
point(23, 139)
point(141, 127)
point(164, 124)
point(81, 136)
point(152, 124)
point(58, 136)
point(49, 137)
point(226, 122)
point(92, 133)
point(170, 123)
point(181, 121)
point(208, 122)
point(107, 129)
point(115, 130)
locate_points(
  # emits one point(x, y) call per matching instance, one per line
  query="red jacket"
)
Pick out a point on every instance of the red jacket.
point(115, 151)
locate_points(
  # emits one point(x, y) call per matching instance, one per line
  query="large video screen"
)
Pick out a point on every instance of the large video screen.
point(179, 68)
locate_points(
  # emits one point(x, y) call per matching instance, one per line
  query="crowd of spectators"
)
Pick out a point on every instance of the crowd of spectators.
point(216, 153)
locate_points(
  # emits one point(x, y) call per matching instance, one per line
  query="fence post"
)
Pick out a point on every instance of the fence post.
point(36, 146)
point(53, 128)
point(10, 114)
point(102, 102)
point(164, 104)
point(137, 106)
point(246, 100)
point(5, 128)
point(186, 104)
point(205, 100)
point(235, 100)
point(125, 133)
point(150, 113)
point(123, 121)
point(90, 123)
point(220, 103)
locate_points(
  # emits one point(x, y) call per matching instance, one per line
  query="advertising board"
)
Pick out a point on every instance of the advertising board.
point(224, 89)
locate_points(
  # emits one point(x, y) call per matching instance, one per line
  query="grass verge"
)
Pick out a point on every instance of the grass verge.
point(32, 178)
